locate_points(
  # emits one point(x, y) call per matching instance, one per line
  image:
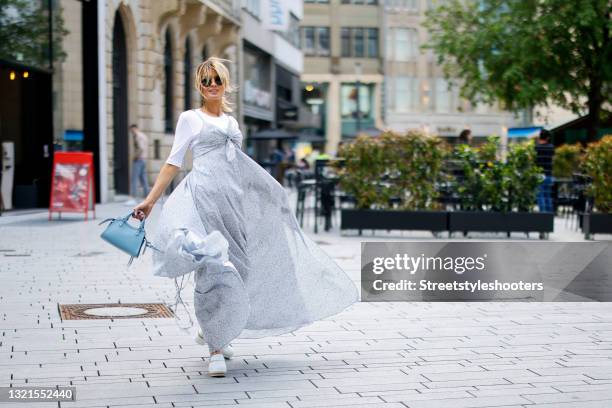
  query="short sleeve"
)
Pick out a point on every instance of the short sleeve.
point(186, 129)
point(234, 128)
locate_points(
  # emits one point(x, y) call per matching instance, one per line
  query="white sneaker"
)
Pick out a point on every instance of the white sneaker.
point(216, 366)
point(228, 351)
point(130, 202)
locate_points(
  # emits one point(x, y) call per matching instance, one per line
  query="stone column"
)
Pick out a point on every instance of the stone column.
point(334, 123)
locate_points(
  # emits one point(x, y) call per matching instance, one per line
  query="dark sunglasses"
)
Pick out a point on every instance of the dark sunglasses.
point(209, 81)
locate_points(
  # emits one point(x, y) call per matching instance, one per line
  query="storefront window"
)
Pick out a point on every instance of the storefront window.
point(257, 79)
point(348, 95)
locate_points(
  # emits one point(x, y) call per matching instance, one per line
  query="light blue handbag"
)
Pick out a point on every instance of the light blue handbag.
point(127, 238)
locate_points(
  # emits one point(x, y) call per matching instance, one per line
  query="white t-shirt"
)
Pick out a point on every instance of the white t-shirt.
point(189, 126)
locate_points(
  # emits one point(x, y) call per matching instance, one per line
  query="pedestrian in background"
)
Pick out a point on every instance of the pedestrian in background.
point(545, 152)
point(465, 137)
point(139, 164)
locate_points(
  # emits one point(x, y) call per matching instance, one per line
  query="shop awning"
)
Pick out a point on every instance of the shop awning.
point(524, 132)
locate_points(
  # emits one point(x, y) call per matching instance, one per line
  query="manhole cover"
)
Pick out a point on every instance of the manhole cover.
point(114, 311)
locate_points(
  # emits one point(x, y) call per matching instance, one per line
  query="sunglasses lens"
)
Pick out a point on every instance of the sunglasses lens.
point(209, 81)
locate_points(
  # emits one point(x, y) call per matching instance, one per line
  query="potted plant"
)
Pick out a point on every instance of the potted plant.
point(392, 168)
point(598, 165)
point(499, 195)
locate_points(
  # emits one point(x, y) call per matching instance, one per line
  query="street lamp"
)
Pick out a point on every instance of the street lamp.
point(357, 86)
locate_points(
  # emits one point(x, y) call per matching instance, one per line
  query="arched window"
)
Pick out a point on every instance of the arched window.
point(168, 83)
point(187, 74)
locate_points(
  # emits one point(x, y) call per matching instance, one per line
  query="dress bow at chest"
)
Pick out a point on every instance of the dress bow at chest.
point(231, 143)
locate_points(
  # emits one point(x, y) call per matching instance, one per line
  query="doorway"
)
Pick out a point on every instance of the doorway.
point(121, 164)
point(26, 120)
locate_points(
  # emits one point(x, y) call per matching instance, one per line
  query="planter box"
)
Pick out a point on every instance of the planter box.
point(394, 220)
point(596, 223)
point(501, 222)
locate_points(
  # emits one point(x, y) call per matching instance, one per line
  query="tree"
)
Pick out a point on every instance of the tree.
point(527, 53)
point(24, 32)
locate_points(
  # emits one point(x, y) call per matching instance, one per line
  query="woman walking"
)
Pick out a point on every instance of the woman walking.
point(257, 273)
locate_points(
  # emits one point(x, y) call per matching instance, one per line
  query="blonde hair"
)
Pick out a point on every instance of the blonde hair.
point(206, 69)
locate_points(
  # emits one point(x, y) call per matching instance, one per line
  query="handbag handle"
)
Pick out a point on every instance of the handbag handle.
point(127, 217)
point(124, 220)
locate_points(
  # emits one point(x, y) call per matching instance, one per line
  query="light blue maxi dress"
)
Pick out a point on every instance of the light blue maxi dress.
point(228, 208)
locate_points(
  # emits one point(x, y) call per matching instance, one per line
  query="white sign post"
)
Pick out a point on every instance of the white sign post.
point(8, 173)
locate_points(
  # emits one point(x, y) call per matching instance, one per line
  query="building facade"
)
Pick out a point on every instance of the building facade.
point(272, 65)
point(343, 67)
point(416, 93)
point(147, 52)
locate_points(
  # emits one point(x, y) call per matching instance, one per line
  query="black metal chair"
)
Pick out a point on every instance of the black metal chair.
point(326, 180)
point(305, 187)
point(580, 202)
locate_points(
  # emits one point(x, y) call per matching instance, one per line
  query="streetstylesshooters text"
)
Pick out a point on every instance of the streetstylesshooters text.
point(458, 265)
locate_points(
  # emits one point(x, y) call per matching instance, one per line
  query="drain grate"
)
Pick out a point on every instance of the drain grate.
point(114, 311)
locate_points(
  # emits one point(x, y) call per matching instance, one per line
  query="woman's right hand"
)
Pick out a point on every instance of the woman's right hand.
point(142, 210)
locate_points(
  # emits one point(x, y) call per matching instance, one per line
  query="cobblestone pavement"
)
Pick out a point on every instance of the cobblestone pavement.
point(371, 355)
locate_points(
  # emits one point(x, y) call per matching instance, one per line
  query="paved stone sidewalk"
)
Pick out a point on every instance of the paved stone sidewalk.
point(371, 355)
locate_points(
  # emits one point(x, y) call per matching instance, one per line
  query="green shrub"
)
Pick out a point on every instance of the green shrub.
point(566, 160)
point(524, 176)
point(364, 164)
point(480, 187)
point(409, 167)
point(490, 184)
point(404, 166)
point(598, 165)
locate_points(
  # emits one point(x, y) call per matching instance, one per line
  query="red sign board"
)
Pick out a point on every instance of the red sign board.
point(72, 183)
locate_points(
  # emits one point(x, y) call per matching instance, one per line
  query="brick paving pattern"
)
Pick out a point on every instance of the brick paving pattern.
point(392, 355)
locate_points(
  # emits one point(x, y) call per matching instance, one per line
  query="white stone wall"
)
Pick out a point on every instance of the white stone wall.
point(70, 86)
point(145, 23)
point(215, 25)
